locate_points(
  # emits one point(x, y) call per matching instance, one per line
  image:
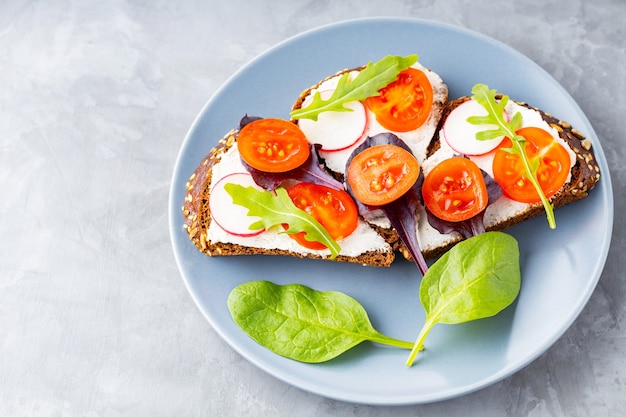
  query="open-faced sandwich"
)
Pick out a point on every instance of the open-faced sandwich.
point(375, 160)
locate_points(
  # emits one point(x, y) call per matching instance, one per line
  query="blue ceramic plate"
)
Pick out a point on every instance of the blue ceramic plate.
point(557, 280)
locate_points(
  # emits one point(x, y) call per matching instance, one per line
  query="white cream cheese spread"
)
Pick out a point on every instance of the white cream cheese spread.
point(365, 239)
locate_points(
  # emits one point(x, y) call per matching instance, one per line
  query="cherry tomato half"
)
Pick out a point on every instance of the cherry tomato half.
point(405, 103)
point(554, 166)
point(455, 190)
point(273, 145)
point(381, 174)
point(334, 209)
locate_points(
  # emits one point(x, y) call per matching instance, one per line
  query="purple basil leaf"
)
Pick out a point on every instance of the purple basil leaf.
point(494, 191)
point(247, 119)
point(310, 171)
point(402, 216)
point(384, 138)
point(401, 212)
point(267, 180)
point(466, 228)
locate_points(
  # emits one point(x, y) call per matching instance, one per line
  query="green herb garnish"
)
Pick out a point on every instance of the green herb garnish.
point(477, 278)
point(275, 209)
point(366, 84)
point(302, 324)
point(495, 116)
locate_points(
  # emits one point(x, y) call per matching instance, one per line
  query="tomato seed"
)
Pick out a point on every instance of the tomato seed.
point(390, 181)
point(326, 199)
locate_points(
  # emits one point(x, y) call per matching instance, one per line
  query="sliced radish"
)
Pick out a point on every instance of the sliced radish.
point(335, 130)
point(232, 218)
point(461, 135)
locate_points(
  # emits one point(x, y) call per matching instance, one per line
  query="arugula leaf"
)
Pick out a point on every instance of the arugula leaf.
point(277, 209)
point(475, 279)
point(495, 109)
point(302, 324)
point(366, 84)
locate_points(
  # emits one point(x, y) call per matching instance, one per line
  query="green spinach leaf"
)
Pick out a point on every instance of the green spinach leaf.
point(303, 324)
point(477, 278)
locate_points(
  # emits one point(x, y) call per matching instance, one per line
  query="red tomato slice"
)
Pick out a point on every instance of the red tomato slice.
point(455, 190)
point(404, 104)
point(273, 145)
point(381, 174)
point(554, 166)
point(334, 209)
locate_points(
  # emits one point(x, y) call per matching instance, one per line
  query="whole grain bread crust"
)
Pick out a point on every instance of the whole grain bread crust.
point(198, 218)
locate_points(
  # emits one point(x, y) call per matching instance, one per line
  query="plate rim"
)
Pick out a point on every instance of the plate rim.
point(175, 219)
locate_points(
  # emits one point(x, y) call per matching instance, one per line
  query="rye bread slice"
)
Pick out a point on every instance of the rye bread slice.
point(198, 218)
point(585, 174)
